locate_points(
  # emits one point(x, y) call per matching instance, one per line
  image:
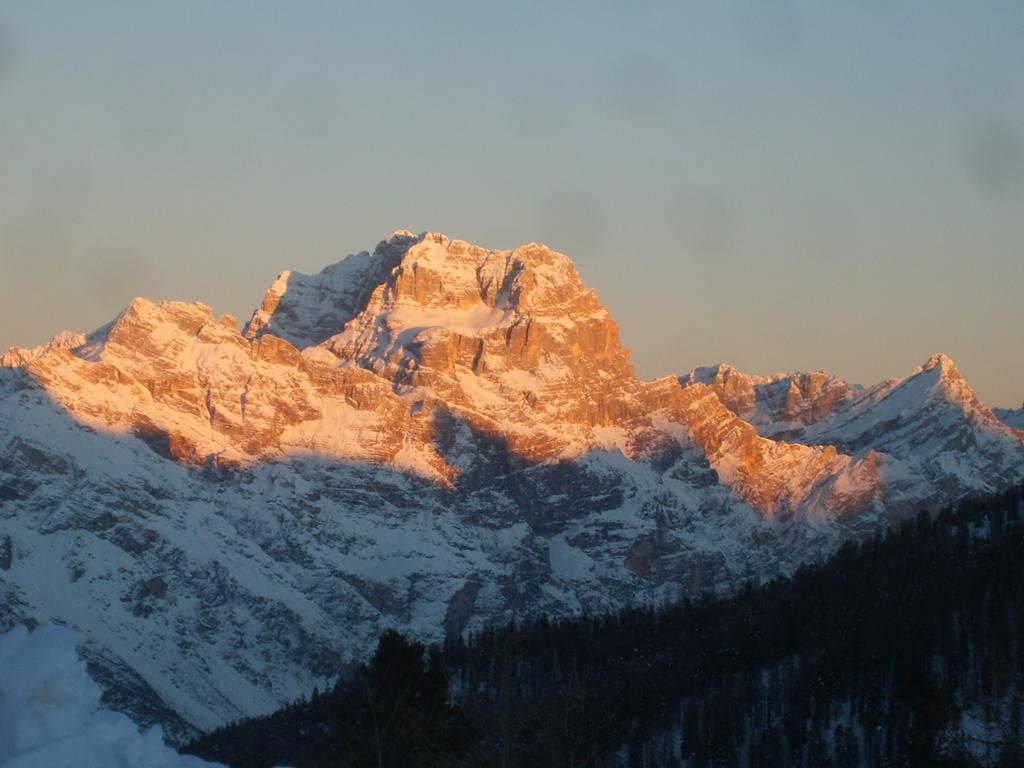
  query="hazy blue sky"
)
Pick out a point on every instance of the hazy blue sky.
point(780, 185)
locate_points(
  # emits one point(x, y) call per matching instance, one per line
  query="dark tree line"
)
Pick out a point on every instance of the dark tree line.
point(903, 650)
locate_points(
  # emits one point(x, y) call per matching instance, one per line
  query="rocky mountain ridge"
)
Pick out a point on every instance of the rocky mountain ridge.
point(1010, 417)
point(433, 437)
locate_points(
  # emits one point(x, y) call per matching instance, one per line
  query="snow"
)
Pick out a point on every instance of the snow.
point(569, 562)
point(344, 432)
point(469, 321)
point(418, 459)
point(306, 309)
point(1011, 418)
point(482, 396)
point(357, 517)
point(50, 715)
point(522, 381)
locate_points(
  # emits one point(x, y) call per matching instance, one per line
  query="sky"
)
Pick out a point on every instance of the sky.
point(777, 184)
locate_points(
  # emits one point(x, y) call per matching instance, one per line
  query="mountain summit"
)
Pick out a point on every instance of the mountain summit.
point(385, 357)
point(433, 436)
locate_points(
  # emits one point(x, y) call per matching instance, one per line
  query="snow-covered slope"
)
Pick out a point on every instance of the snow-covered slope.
point(431, 437)
point(1011, 418)
point(50, 715)
point(913, 412)
point(937, 439)
point(946, 441)
point(307, 309)
point(230, 591)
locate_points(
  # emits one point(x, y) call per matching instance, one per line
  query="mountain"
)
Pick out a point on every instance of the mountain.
point(1011, 418)
point(433, 437)
point(880, 655)
point(779, 405)
point(945, 439)
point(938, 438)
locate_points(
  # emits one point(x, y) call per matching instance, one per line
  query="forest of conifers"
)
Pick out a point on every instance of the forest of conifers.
point(902, 650)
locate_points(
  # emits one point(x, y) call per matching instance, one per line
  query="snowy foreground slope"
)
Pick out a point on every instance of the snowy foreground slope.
point(50, 715)
point(431, 437)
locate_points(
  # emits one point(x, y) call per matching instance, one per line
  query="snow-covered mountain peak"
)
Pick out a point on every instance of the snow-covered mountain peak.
point(939, 379)
point(930, 421)
point(16, 356)
point(304, 310)
point(721, 374)
point(425, 271)
point(139, 330)
point(941, 369)
point(189, 316)
point(933, 420)
point(438, 271)
point(942, 361)
point(447, 304)
point(432, 436)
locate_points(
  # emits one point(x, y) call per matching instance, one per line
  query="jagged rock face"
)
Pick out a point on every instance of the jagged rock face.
point(903, 412)
point(774, 477)
point(212, 592)
point(184, 380)
point(777, 405)
point(507, 337)
point(15, 356)
point(434, 437)
point(933, 439)
point(943, 440)
point(509, 344)
point(307, 309)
